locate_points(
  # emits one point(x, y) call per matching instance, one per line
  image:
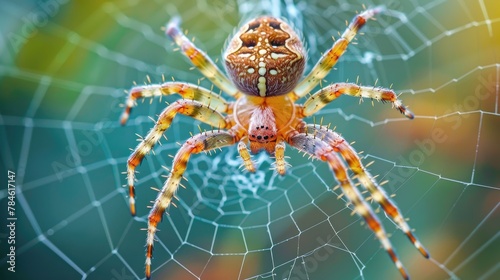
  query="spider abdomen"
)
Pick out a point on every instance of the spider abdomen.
point(265, 58)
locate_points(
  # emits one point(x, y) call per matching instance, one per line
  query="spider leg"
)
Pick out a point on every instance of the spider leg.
point(201, 142)
point(246, 157)
point(279, 154)
point(186, 90)
point(327, 94)
point(186, 107)
point(315, 146)
point(330, 58)
point(377, 193)
point(200, 59)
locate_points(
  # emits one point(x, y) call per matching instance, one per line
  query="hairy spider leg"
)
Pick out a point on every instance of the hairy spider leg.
point(201, 142)
point(185, 90)
point(316, 147)
point(330, 58)
point(200, 59)
point(245, 156)
point(279, 154)
point(190, 108)
point(377, 193)
point(329, 93)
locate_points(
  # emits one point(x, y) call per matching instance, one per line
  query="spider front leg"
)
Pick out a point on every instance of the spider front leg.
point(279, 153)
point(377, 193)
point(280, 163)
point(245, 156)
point(186, 90)
point(327, 94)
point(190, 108)
point(201, 142)
point(330, 58)
point(318, 148)
point(200, 59)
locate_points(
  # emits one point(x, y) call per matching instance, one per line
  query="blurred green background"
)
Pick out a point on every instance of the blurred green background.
point(64, 66)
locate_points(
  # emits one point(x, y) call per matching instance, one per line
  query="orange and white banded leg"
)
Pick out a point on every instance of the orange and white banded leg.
point(330, 57)
point(186, 90)
point(199, 143)
point(315, 146)
point(329, 93)
point(246, 157)
point(280, 163)
point(200, 59)
point(186, 107)
point(377, 192)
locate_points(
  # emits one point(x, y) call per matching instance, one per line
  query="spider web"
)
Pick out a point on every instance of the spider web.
point(65, 65)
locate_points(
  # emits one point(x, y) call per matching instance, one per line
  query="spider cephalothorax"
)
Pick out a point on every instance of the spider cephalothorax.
point(265, 61)
point(265, 57)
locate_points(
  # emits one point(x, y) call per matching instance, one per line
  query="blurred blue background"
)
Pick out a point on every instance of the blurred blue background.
point(63, 71)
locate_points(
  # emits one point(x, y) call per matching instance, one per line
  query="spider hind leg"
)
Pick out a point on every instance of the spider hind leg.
point(199, 58)
point(330, 57)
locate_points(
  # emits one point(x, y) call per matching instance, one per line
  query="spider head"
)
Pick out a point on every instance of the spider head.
point(265, 57)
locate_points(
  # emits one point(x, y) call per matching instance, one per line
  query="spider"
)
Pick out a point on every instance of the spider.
point(265, 61)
